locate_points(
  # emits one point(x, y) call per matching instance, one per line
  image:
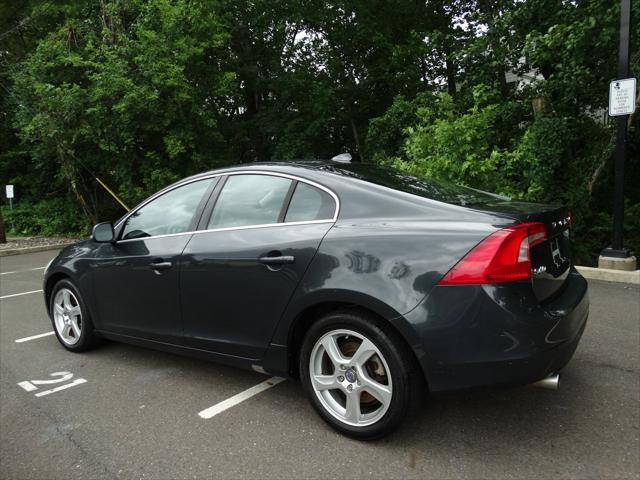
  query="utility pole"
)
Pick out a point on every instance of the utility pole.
point(616, 256)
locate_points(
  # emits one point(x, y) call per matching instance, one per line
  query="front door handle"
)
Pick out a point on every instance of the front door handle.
point(281, 260)
point(160, 265)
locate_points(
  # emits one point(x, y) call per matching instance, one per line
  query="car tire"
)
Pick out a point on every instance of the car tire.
point(344, 394)
point(70, 318)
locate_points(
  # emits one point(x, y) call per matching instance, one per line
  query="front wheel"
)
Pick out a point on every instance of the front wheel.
point(70, 318)
point(358, 374)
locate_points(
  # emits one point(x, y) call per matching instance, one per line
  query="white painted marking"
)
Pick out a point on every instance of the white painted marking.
point(28, 386)
point(64, 376)
point(78, 381)
point(20, 294)
point(33, 337)
point(22, 271)
point(31, 385)
point(240, 397)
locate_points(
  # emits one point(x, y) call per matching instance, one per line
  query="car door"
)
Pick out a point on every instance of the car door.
point(136, 278)
point(239, 272)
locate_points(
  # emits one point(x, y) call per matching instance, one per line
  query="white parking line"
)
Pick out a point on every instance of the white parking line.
point(20, 294)
point(240, 397)
point(21, 271)
point(33, 337)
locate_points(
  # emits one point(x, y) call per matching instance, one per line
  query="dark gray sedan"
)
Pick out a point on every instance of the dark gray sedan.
point(367, 284)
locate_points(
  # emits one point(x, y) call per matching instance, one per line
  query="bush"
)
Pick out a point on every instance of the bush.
point(50, 217)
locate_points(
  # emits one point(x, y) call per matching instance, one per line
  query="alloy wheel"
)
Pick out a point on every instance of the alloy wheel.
point(67, 316)
point(350, 377)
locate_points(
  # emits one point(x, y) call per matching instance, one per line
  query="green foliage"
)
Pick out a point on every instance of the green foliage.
point(544, 160)
point(50, 217)
point(129, 94)
point(459, 148)
point(386, 134)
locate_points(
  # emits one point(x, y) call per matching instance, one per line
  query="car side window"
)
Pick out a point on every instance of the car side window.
point(310, 203)
point(171, 212)
point(249, 200)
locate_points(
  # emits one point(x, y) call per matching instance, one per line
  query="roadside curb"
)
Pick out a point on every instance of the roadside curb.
point(39, 248)
point(609, 275)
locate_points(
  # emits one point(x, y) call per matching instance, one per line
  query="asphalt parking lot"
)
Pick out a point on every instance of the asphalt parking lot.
point(136, 413)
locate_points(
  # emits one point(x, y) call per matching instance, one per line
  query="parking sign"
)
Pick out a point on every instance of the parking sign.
point(622, 97)
point(9, 191)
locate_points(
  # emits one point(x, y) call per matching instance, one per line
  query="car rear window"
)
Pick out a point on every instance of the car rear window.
point(309, 203)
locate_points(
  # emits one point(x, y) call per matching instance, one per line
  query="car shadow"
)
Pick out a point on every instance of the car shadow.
point(502, 419)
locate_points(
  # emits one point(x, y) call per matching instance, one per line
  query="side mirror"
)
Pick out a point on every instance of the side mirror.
point(103, 233)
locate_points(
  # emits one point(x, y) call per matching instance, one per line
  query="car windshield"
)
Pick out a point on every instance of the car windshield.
point(433, 189)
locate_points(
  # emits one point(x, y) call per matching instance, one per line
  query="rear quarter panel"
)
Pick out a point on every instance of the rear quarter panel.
point(387, 265)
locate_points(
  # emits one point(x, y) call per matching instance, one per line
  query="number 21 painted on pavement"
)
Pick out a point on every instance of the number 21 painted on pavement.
point(33, 385)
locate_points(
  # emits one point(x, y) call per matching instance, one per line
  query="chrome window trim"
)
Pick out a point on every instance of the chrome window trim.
point(242, 172)
point(227, 229)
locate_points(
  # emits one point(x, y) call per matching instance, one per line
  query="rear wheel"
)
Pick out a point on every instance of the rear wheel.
point(70, 318)
point(357, 374)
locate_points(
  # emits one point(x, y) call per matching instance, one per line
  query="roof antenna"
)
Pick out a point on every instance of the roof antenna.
point(342, 158)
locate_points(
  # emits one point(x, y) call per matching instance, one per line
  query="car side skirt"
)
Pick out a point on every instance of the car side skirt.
point(274, 362)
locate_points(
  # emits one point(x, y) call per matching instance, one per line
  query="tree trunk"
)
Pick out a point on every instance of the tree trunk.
point(541, 105)
point(3, 234)
point(502, 82)
point(356, 137)
point(451, 76)
point(69, 172)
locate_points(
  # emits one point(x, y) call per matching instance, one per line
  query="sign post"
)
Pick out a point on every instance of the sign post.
point(10, 194)
point(622, 99)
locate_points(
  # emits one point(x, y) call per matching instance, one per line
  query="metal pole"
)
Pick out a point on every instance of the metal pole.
point(11, 208)
point(617, 249)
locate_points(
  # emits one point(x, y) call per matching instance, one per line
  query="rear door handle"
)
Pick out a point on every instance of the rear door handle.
point(161, 265)
point(281, 260)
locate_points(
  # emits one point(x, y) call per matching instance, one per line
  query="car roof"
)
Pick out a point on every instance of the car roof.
point(282, 166)
point(334, 175)
point(370, 191)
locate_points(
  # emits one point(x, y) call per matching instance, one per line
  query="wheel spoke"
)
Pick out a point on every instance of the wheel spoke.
point(381, 392)
point(66, 299)
point(66, 330)
point(324, 382)
point(332, 349)
point(75, 311)
point(58, 309)
point(75, 326)
point(352, 413)
point(365, 351)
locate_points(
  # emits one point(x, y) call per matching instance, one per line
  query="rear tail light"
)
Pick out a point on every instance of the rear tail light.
point(504, 256)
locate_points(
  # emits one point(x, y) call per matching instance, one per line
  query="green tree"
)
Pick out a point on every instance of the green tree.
point(129, 92)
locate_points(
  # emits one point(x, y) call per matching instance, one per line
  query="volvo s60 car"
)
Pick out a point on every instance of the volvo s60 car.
point(366, 284)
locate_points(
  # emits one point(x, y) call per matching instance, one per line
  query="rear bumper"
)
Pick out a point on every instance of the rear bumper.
point(473, 336)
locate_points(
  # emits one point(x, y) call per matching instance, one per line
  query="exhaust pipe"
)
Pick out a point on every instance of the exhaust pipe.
point(552, 382)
